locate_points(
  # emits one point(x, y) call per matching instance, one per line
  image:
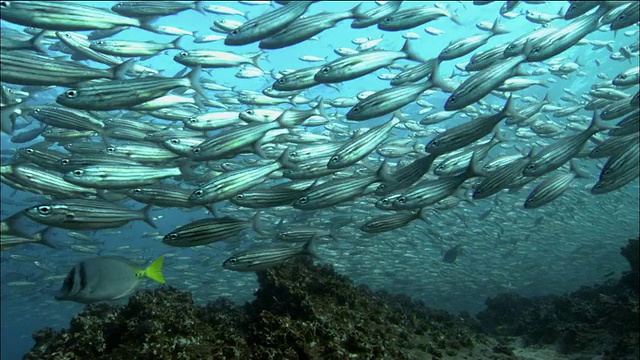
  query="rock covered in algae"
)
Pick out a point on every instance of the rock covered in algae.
point(631, 252)
point(602, 319)
point(301, 311)
point(159, 324)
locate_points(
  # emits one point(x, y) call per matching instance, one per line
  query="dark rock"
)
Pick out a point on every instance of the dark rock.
point(601, 319)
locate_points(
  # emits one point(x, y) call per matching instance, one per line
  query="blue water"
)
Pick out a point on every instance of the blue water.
point(571, 242)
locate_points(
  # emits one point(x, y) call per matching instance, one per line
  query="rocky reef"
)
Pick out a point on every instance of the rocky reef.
point(306, 311)
point(301, 311)
point(602, 319)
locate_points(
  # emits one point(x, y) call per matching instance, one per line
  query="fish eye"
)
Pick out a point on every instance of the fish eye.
point(387, 19)
point(173, 236)
point(196, 150)
point(198, 192)
point(444, 51)
point(334, 159)
point(607, 172)
point(28, 150)
point(72, 94)
point(64, 161)
point(536, 49)
point(67, 34)
point(367, 226)
point(100, 42)
point(293, 154)
point(382, 186)
point(355, 109)
point(531, 167)
point(621, 17)
point(622, 76)
point(77, 172)
point(4, 3)
point(193, 120)
point(36, 110)
point(239, 197)
point(434, 143)
point(232, 261)
point(138, 190)
point(452, 99)
point(402, 199)
point(303, 200)
point(184, 54)
point(234, 32)
point(111, 149)
point(250, 112)
point(44, 210)
point(175, 141)
point(325, 69)
point(281, 81)
point(284, 235)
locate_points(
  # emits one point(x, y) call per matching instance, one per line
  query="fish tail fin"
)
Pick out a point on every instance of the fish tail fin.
point(310, 249)
point(609, 45)
point(408, 49)
point(199, 7)
point(597, 124)
point(498, 136)
point(285, 159)
point(454, 17)
point(104, 135)
point(497, 28)
point(256, 225)
point(36, 41)
point(7, 124)
point(211, 209)
point(194, 81)
point(146, 24)
point(510, 110)
point(577, 61)
point(146, 212)
point(120, 70)
point(574, 168)
point(255, 58)
point(154, 270)
point(186, 170)
point(333, 232)
point(436, 76)
point(357, 10)
point(422, 215)
point(177, 42)
point(44, 239)
point(382, 173)
point(320, 108)
point(474, 169)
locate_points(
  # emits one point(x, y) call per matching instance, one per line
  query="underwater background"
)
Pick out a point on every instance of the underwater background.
point(571, 242)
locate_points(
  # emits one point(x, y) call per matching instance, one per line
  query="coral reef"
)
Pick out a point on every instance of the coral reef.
point(301, 311)
point(601, 319)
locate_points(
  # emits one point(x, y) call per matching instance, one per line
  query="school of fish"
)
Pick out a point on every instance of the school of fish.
point(370, 157)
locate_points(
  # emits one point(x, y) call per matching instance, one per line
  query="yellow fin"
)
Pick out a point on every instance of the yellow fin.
point(154, 271)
